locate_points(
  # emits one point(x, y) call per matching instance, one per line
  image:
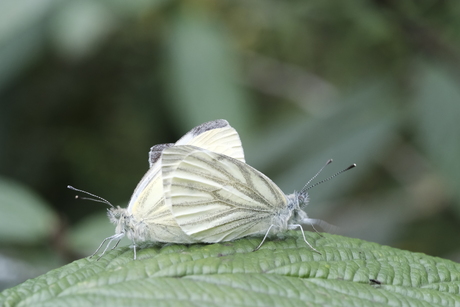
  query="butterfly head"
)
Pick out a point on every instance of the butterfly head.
point(297, 201)
point(127, 224)
point(121, 219)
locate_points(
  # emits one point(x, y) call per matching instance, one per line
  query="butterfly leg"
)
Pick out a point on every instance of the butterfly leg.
point(303, 234)
point(114, 237)
point(263, 240)
point(313, 226)
point(105, 240)
point(322, 224)
point(118, 242)
point(134, 246)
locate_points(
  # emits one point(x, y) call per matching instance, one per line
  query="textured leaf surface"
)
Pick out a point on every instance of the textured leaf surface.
point(284, 272)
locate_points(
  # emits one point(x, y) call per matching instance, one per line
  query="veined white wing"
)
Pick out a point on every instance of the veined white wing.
point(215, 198)
point(147, 203)
point(217, 136)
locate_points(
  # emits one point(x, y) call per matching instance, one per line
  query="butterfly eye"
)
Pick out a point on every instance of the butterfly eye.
point(303, 198)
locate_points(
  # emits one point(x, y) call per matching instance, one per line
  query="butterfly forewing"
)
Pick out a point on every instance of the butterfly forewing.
point(216, 198)
point(148, 192)
point(223, 140)
point(155, 152)
point(150, 207)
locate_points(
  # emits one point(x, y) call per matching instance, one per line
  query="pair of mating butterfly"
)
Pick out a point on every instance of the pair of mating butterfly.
point(200, 189)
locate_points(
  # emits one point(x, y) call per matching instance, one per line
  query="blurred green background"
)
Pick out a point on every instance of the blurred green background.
point(87, 87)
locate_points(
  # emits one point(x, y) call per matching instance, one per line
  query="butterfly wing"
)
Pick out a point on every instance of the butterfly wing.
point(215, 198)
point(149, 208)
point(152, 179)
point(155, 152)
point(217, 136)
point(147, 203)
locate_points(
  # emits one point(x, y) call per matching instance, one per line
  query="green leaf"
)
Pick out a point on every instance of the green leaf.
point(25, 217)
point(284, 272)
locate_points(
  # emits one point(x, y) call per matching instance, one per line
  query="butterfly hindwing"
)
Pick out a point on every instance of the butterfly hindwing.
point(214, 197)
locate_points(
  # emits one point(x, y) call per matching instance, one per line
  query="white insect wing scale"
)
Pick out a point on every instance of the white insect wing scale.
point(147, 218)
point(215, 198)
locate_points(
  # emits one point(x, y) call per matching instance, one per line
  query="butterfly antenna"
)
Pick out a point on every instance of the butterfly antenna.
point(327, 179)
point(312, 178)
point(96, 198)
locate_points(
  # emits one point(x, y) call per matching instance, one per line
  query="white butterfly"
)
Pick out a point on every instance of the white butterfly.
point(147, 218)
point(215, 198)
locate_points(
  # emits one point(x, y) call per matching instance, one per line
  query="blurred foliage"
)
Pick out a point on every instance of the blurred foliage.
point(87, 87)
